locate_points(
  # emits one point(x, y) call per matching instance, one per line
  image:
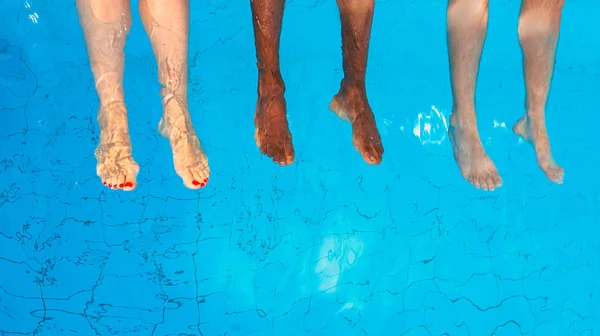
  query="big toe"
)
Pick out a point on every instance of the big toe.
point(189, 180)
point(371, 151)
point(286, 157)
point(282, 153)
point(128, 183)
point(555, 174)
point(282, 159)
point(375, 153)
point(201, 175)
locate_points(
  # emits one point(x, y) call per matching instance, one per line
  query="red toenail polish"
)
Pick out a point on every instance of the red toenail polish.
point(110, 185)
point(104, 182)
point(121, 185)
point(129, 184)
point(205, 180)
point(194, 182)
point(202, 185)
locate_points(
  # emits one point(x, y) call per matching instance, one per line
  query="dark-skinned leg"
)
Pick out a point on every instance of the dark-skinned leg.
point(272, 133)
point(351, 103)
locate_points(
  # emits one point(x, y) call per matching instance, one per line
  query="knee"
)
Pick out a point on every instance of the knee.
point(469, 12)
point(109, 11)
point(356, 5)
point(537, 26)
point(540, 19)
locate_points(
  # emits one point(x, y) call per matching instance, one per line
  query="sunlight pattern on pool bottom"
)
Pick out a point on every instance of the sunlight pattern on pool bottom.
point(327, 246)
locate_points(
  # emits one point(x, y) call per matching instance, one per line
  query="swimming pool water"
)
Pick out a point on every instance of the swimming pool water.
point(327, 246)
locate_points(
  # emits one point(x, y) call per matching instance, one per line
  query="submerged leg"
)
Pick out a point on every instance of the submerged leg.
point(105, 26)
point(167, 25)
point(351, 103)
point(467, 25)
point(272, 133)
point(539, 24)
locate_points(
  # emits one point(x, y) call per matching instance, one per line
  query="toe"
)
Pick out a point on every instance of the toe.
point(104, 177)
point(370, 156)
point(109, 181)
point(129, 183)
point(112, 183)
point(103, 180)
point(121, 179)
point(199, 177)
point(290, 154)
point(189, 180)
point(497, 181)
point(366, 151)
point(280, 157)
point(484, 184)
point(477, 183)
point(556, 175)
point(491, 185)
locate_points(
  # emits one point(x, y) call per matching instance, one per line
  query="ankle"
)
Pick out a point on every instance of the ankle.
point(463, 118)
point(270, 83)
point(113, 104)
point(354, 85)
point(535, 123)
point(535, 113)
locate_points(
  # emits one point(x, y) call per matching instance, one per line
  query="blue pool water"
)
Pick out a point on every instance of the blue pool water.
point(327, 246)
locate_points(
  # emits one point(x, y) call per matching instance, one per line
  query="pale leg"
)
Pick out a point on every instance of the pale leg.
point(539, 24)
point(467, 25)
point(167, 25)
point(105, 26)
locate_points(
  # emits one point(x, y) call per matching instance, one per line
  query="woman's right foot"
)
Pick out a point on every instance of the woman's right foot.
point(116, 167)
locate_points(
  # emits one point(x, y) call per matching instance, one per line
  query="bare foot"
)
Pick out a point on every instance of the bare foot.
point(191, 163)
point(351, 104)
point(116, 166)
point(474, 163)
point(536, 134)
point(272, 134)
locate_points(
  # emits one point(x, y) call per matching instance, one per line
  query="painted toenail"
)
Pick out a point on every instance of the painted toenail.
point(202, 185)
point(129, 184)
point(194, 182)
point(205, 180)
point(121, 185)
point(110, 185)
point(104, 182)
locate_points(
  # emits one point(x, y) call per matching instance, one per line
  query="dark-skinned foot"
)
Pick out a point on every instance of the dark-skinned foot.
point(351, 104)
point(272, 133)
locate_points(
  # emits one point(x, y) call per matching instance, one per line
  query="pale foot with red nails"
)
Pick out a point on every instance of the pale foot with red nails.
point(191, 163)
point(116, 167)
point(536, 134)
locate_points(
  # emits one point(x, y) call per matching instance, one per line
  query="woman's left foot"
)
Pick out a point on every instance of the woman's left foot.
point(191, 163)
